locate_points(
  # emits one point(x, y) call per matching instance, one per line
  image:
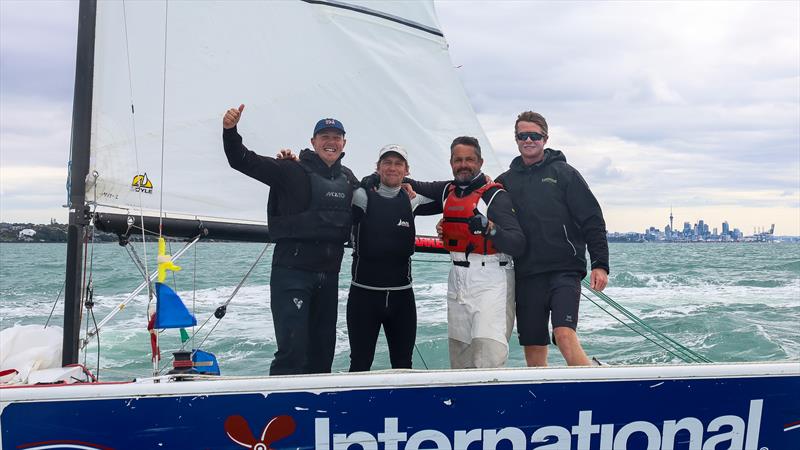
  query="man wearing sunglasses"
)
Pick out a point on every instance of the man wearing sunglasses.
point(560, 218)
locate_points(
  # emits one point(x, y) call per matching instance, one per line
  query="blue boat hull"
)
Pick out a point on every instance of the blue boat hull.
point(478, 410)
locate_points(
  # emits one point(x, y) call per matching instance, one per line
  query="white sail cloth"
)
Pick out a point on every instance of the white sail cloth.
point(177, 66)
point(25, 349)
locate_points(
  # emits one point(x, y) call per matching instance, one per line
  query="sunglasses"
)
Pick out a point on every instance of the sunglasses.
point(532, 135)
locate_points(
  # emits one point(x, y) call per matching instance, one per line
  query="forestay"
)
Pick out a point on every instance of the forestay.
point(166, 71)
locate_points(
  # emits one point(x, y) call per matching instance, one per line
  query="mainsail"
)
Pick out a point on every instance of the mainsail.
point(165, 72)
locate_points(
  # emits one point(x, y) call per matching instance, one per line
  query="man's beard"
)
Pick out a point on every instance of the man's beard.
point(465, 177)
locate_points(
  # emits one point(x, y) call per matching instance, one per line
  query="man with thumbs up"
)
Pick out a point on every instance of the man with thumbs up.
point(309, 216)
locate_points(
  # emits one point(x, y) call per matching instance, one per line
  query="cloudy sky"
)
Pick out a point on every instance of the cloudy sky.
point(694, 105)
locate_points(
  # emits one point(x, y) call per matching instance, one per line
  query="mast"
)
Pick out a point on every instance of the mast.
point(79, 168)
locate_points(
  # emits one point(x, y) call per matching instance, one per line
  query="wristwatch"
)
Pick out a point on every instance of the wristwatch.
point(493, 231)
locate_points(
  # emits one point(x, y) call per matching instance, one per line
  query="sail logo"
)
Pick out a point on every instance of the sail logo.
point(403, 223)
point(142, 184)
point(726, 431)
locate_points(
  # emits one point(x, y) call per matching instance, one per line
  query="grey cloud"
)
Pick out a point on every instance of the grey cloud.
point(37, 48)
point(605, 171)
point(622, 69)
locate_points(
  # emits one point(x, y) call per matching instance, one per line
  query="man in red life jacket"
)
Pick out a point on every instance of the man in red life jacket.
point(481, 231)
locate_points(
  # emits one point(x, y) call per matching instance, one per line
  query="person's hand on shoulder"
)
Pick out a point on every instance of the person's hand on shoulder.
point(371, 182)
point(286, 153)
point(409, 190)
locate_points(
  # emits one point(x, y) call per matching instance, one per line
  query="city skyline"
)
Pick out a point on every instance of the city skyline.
point(716, 135)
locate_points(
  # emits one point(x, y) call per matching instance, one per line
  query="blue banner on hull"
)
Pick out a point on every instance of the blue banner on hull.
point(745, 413)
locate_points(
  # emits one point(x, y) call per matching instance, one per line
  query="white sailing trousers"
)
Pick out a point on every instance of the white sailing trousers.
point(480, 310)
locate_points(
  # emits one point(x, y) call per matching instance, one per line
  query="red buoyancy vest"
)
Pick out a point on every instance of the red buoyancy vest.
point(455, 228)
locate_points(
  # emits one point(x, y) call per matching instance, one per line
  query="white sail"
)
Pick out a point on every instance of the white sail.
point(382, 68)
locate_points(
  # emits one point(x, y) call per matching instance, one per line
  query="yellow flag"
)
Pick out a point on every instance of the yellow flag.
point(164, 261)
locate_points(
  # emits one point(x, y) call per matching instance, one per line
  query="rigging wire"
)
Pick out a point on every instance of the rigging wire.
point(419, 353)
point(172, 272)
point(136, 153)
point(219, 313)
point(163, 118)
point(135, 142)
point(55, 303)
point(88, 300)
point(194, 296)
point(162, 363)
point(137, 262)
point(156, 369)
point(120, 306)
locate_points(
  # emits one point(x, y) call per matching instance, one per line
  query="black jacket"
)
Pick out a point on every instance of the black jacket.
point(289, 194)
point(509, 238)
point(559, 215)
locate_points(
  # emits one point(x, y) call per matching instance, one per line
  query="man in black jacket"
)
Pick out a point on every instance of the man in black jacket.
point(560, 218)
point(309, 215)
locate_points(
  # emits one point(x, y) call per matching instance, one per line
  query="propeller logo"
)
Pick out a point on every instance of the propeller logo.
point(277, 428)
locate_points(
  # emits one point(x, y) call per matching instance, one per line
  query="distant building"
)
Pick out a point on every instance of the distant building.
point(26, 235)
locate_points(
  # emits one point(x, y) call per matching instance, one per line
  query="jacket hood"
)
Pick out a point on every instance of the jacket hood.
point(550, 156)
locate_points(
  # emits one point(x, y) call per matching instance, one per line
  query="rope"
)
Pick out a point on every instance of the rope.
point(630, 327)
point(687, 354)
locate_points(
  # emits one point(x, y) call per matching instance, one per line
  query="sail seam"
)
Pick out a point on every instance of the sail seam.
point(382, 15)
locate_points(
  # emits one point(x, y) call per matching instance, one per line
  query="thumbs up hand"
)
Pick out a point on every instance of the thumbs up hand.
point(232, 117)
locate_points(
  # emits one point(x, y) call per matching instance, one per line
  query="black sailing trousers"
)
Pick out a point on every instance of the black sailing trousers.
point(304, 307)
point(367, 310)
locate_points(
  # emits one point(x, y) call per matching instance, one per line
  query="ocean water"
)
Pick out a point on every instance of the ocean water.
point(729, 302)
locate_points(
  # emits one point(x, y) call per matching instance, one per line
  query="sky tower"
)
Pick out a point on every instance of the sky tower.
point(671, 227)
